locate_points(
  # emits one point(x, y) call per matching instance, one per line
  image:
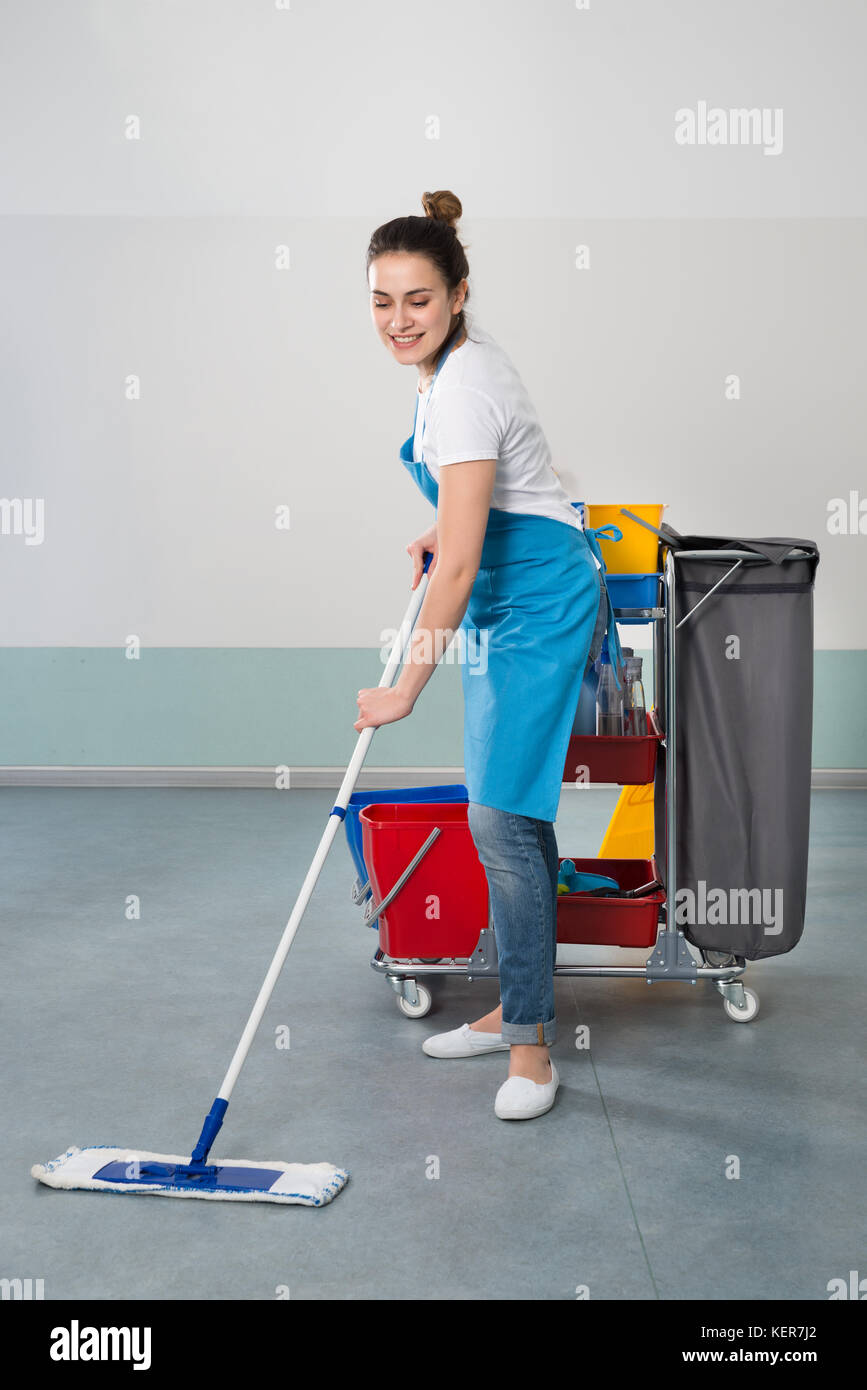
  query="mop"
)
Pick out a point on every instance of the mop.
point(103, 1168)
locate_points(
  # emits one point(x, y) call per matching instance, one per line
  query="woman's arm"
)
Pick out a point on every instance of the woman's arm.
point(462, 515)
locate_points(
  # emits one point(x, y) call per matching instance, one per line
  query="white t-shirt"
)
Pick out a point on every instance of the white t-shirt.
point(480, 410)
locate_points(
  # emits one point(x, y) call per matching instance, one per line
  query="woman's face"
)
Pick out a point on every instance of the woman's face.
point(410, 305)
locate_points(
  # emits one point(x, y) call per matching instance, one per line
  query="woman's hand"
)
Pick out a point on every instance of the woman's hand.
point(381, 705)
point(416, 550)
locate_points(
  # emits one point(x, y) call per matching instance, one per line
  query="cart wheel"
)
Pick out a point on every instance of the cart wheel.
point(430, 960)
point(749, 1010)
point(416, 1010)
point(718, 958)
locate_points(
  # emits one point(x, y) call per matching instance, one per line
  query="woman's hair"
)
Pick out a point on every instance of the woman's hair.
point(435, 237)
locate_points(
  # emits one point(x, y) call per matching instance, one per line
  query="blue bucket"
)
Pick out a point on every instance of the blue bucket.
point(632, 591)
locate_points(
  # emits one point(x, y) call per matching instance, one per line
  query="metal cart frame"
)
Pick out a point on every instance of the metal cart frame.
point(671, 958)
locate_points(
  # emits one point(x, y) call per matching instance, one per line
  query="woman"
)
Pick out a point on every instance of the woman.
point(513, 569)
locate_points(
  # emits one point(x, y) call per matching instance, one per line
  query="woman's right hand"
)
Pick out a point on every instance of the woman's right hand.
point(416, 550)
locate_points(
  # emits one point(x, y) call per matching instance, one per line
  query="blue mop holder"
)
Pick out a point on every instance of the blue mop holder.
point(210, 1130)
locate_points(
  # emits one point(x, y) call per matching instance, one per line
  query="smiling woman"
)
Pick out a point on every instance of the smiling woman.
point(513, 570)
point(417, 301)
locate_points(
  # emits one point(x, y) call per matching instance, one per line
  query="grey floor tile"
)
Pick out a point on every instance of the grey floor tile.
point(119, 1031)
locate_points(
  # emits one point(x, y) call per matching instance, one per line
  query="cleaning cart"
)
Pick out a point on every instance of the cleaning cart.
point(727, 750)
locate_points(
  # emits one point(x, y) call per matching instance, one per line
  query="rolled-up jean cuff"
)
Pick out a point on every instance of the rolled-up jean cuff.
point(528, 1033)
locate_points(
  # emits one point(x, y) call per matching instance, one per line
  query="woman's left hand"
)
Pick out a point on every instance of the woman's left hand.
point(381, 705)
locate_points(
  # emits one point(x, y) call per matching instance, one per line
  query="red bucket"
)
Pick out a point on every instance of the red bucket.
point(442, 908)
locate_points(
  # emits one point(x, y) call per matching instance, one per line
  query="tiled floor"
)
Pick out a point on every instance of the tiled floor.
point(119, 1031)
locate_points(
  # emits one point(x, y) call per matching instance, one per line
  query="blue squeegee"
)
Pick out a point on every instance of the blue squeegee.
point(106, 1169)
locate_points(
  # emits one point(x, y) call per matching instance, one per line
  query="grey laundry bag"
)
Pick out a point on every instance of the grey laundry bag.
point(744, 715)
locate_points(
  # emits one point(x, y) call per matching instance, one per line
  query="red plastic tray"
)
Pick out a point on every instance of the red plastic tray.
point(443, 907)
point(630, 761)
point(582, 920)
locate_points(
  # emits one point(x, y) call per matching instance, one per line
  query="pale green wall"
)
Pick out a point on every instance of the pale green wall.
point(263, 706)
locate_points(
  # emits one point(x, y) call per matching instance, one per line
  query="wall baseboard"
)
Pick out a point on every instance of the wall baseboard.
point(300, 778)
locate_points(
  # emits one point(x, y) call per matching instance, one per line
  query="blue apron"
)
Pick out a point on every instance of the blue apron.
point(537, 613)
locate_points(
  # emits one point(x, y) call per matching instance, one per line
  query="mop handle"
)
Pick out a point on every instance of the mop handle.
point(347, 787)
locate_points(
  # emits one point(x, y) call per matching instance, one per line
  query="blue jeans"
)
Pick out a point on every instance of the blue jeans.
point(519, 856)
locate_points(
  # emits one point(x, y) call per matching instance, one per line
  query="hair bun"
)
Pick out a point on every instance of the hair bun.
point(444, 205)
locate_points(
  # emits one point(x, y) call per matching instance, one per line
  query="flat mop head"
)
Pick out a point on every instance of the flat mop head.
point(125, 1171)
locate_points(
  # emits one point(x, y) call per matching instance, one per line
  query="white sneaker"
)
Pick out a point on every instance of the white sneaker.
point(463, 1042)
point(519, 1098)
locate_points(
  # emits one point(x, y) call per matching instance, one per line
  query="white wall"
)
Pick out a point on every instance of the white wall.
point(306, 127)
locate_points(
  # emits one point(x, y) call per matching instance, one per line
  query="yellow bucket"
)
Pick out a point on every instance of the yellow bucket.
point(636, 552)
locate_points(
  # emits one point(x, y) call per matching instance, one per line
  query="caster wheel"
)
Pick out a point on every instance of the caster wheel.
point(718, 958)
point(430, 960)
point(748, 1012)
point(416, 1010)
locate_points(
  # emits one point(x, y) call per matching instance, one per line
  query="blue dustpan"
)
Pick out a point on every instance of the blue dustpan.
point(595, 885)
